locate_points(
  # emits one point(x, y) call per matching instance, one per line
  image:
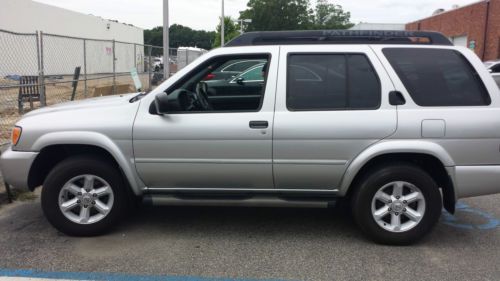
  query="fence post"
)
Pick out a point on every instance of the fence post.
point(135, 57)
point(41, 75)
point(150, 49)
point(85, 67)
point(114, 67)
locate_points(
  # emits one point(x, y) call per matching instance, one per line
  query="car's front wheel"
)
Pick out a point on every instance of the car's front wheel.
point(84, 196)
point(396, 204)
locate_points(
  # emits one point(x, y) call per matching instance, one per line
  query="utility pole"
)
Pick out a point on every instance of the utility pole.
point(222, 28)
point(166, 41)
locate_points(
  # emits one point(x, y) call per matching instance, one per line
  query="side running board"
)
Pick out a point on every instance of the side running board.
point(257, 201)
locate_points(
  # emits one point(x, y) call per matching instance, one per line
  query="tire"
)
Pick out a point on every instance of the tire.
point(411, 180)
point(84, 171)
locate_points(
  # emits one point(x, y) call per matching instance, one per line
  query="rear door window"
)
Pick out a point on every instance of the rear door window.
point(321, 82)
point(438, 77)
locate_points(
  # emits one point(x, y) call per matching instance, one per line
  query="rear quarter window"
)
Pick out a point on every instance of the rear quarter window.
point(438, 77)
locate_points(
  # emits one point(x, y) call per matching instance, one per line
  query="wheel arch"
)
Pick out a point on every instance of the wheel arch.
point(55, 147)
point(430, 157)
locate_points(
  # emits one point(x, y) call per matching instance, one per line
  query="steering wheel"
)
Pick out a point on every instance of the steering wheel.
point(202, 95)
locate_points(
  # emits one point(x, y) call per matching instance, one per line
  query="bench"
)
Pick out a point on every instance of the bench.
point(29, 91)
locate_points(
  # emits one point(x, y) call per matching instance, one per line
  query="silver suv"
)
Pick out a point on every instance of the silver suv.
point(397, 123)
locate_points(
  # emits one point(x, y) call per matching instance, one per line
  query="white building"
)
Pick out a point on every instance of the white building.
point(62, 55)
point(186, 55)
point(28, 16)
point(378, 26)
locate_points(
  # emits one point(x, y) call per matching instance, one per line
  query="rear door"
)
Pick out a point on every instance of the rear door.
point(332, 103)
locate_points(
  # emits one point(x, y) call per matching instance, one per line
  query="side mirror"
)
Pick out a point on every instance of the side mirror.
point(165, 104)
point(490, 70)
point(240, 81)
point(160, 105)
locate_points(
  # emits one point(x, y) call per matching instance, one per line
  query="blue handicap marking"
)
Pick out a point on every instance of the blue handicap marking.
point(491, 221)
point(33, 274)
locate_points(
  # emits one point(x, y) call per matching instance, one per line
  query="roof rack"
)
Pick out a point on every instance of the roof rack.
point(340, 37)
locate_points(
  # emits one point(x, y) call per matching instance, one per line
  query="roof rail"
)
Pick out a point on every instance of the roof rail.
point(340, 37)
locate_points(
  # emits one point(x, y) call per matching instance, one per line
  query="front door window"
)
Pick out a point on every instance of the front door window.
point(223, 84)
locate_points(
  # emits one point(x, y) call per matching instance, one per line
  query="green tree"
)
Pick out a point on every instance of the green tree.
point(154, 36)
point(278, 15)
point(231, 31)
point(180, 36)
point(331, 16)
point(294, 15)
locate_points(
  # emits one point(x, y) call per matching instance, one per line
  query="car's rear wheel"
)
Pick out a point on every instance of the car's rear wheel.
point(84, 196)
point(396, 204)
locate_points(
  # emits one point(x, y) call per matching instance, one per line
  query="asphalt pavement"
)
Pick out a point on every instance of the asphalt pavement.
point(251, 244)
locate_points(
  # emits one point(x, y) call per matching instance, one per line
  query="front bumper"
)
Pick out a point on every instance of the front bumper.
point(15, 167)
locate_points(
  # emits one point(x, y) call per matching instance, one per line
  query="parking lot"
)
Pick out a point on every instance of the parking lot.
point(251, 244)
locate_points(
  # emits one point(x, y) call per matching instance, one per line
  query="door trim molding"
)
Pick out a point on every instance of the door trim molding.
point(310, 162)
point(241, 161)
point(202, 161)
point(161, 190)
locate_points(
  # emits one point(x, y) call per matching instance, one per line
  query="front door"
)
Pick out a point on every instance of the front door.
point(223, 142)
point(331, 104)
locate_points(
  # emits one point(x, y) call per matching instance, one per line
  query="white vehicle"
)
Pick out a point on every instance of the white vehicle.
point(157, 64)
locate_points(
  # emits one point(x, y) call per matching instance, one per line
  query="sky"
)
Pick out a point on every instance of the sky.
point(203, 14)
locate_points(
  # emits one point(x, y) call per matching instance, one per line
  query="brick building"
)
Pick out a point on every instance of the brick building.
point(476, 26)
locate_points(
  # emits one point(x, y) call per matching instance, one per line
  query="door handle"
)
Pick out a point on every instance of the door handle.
point(259, 124)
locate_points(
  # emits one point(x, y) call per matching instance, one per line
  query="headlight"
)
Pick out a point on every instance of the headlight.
point(16, 135)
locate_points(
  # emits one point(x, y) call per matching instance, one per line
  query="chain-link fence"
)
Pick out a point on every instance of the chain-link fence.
point(38, 69)
point(19, 55)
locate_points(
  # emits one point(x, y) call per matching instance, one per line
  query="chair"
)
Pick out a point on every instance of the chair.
point(29, 91)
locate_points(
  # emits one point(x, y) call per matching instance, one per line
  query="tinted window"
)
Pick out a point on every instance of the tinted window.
point(364, 88)
point(304, 74)
point(331, 81)
point(437, 77)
